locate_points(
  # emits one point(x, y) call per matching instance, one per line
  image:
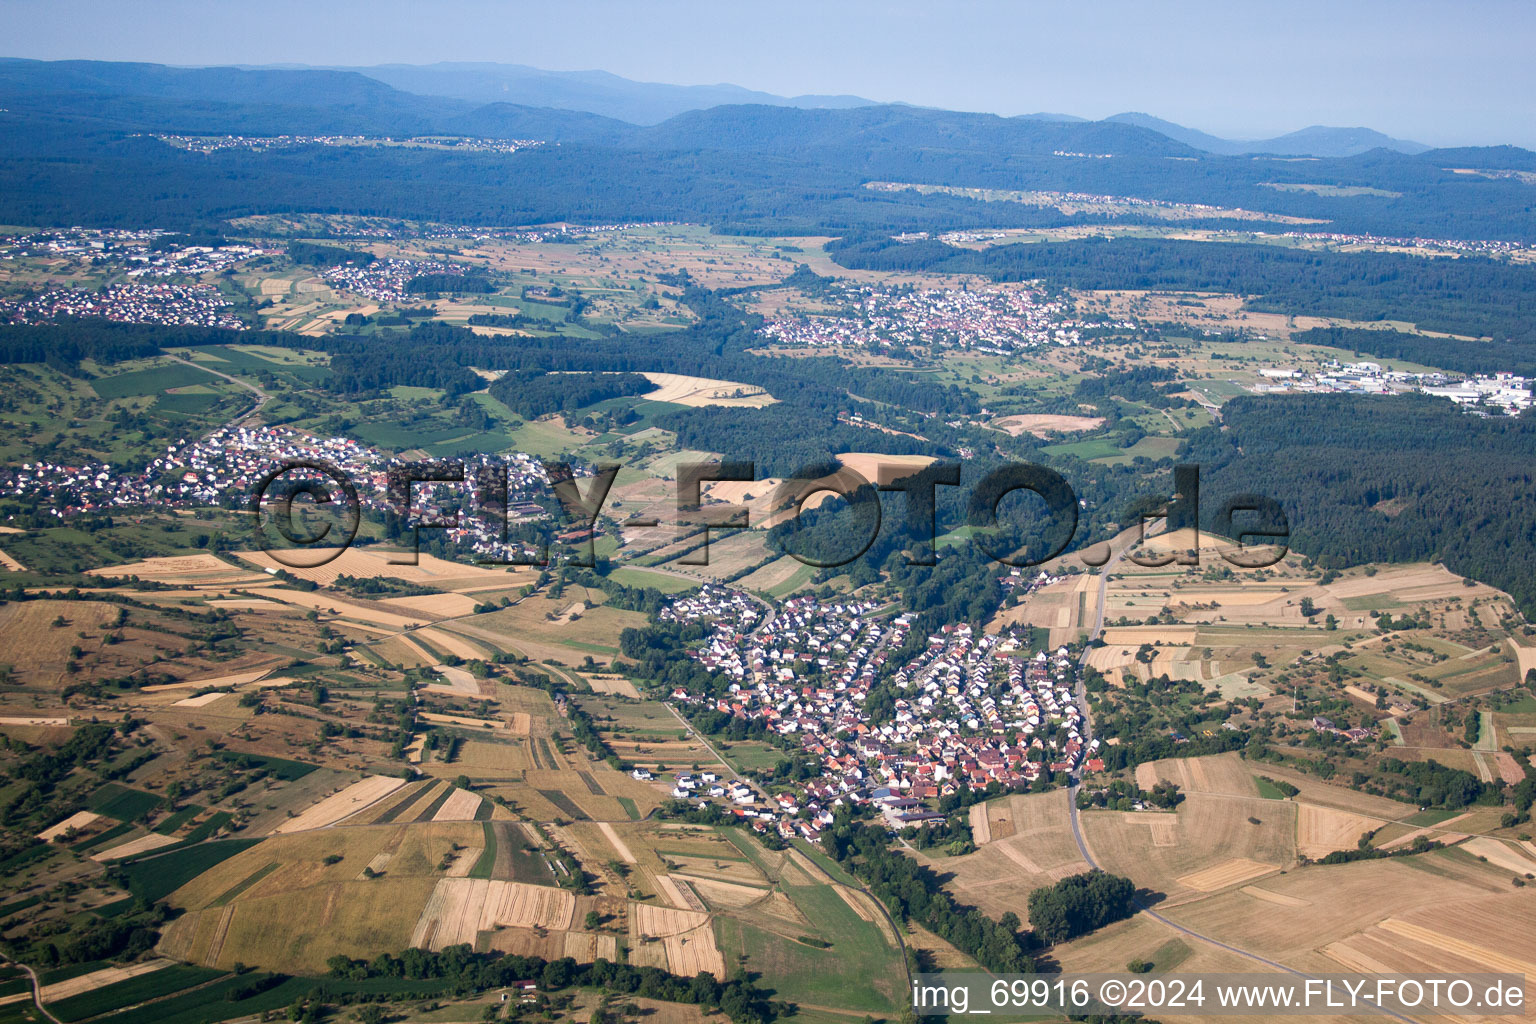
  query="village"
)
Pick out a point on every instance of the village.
point(213, 144)
point(387, 280)
point(136, 253)
point(1504, 393)
point(994, 321)
point(225, 468)
point(969, 711)
point(168, 304)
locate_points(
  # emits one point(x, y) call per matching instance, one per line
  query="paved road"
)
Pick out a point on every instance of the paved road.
point(737, 776)
point(262, 398)
point(37, 988)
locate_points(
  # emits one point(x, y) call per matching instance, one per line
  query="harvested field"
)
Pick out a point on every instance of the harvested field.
point(75, 821)
point(673, 893)
point(1277, 898)
point(649, 919)
point(199, 702)
point(437, 606)
point(143, 844)
point(1031, 846)
point(603, 683)
point(1043, 425)
point(36, 649)
point(458, 682)
point(450, 643)
point(460, 908)
point(1322, 830)
point(466, 721)
point(981, 830)
point(1222, 820)
point(1501, 854)
point(99, 979)
point(326, 603)
point(619, 846)
point(728, 895)
point(1477, 953)
point(229, 680)
point(1229, 873)
point(694, 952)
point(461, 805)
point(367, 563)
point(702, 391)
point(880, 469)
point(183, 571)
point(342, 805)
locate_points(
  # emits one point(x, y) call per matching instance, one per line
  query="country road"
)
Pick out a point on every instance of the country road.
point(1081, 693)
point(37, 988)
point(262, 398)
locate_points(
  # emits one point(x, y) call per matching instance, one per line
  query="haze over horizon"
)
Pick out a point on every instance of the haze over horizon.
point(1412, 70)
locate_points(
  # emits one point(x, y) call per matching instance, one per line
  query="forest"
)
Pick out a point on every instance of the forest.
point(1385, 479)
point(535, 393)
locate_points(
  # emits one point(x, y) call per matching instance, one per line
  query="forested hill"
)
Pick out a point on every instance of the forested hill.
point(1385, 479)
point(68, 154)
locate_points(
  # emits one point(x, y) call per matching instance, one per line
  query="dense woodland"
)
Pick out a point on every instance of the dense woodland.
point(535, 393)
point(1385, 479)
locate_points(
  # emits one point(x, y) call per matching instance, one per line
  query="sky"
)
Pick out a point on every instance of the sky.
point(1442, 73)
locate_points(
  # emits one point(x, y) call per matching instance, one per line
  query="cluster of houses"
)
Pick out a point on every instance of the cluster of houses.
point(145, 253)
point(1451, 246)
point(1326, 725)
point(967, 711)
point(995, 320)
point(225, 467)
point(160, 303)
point(386, 280)
point(214, 143)
point(1506, 393)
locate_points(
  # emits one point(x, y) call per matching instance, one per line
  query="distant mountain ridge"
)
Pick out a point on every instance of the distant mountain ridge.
point(1317, 140)
point(650, 103)
point(510, 101)
point(594, 92)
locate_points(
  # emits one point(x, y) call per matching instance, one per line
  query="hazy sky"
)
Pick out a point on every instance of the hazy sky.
point(1444, 73)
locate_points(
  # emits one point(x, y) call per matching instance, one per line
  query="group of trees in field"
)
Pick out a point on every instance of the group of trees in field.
point(535, 393)
point(468, 973)
point(1079, 904)
point(314, 254)
point(911, 891)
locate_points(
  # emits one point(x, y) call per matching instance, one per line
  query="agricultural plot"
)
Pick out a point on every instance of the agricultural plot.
point(183, 571)
point(241, 908)
point(1028, 844)
point(368, 563)
point(1221, 835)
point(557, 629)
point(702, 391)
point(37, 636)
point(459, 909)
point(344, 804)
